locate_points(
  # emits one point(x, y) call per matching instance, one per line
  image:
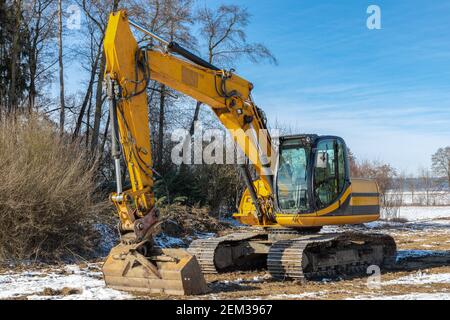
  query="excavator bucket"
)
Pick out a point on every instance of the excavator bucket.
point(159, 271)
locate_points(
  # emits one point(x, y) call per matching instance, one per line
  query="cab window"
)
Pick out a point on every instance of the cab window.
point(329, 172)
point(292, 176)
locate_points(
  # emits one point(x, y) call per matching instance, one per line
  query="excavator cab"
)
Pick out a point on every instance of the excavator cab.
point(312, 172)
point(319, 190)
point(311, 187)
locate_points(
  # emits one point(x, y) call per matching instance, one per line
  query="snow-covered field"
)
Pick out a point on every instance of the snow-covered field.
point(423, 213)
point(67, 283)
point(420, 278)
point(413, 296)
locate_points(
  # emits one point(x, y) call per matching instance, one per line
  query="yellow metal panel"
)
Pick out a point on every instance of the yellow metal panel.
point(364, 186)
point(193, 80)
point(303, 221)
point(365, 201)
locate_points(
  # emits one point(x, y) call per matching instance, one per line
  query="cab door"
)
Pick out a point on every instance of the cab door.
point(331, 171)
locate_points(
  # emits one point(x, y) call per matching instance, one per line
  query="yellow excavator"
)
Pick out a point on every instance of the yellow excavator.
point(306, 185)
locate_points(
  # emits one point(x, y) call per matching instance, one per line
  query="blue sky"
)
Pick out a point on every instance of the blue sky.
point(386, 92)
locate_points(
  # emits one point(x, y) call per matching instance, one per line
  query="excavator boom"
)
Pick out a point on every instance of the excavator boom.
point(228, 95)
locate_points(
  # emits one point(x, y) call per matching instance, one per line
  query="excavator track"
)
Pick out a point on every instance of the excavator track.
point(220, 254)
point(303, 257)
point(329, 255)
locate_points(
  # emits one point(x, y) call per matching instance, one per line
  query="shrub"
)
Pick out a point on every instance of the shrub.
point(48, 202)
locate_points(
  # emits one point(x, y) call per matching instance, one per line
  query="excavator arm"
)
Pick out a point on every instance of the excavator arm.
point(136, 264)
point(129, 69)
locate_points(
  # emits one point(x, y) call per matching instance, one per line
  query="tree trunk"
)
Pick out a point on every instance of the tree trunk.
point(32, 89)
point(188, 140)
point(88, 121)
point(32, 95)
point(87, 97)
point(160, 150)
point(62, 111)
point(34, 57)
point(198, 105)
point(195, 118)
point(12, 96)
point(98, 105)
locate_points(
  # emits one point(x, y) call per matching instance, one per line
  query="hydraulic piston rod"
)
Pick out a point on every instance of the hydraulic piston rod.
point(174, 47)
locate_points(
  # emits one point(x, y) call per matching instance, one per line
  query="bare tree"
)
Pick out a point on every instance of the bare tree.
point(383, 173)
point(172, 19)
point(93, 57)
point(393, 199)
point(179, 19)
point(97, 13)
point(62, 110)
point(161, 124)
point(41, 15)
point(15, 47)
point(411, 185)
point(27, 60)
point(226, 40)
point(441, 163)
point(353, 163)
point(426, 180)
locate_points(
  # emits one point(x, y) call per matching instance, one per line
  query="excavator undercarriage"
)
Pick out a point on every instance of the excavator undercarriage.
point(293, 254)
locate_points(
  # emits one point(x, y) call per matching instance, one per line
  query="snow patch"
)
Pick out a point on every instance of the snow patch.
point(164, 241)
point(410, 296)
point(32, 284)
point(330, 229)
point(419, 278)
point(306, 295)
point(238, 281)
point(423, 213)
point(406, 254)
point(382, 224)
point(231, 221)
point(204, 235)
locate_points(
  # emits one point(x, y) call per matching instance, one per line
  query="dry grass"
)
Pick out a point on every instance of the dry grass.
point(47, 194)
